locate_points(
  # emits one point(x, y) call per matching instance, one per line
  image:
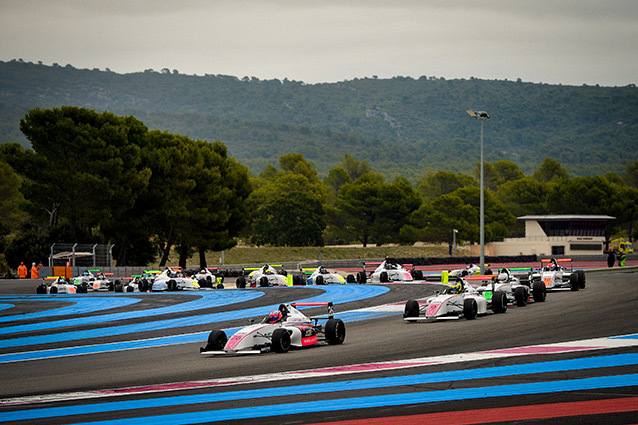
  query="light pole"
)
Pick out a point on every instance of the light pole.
point(481, 116)
point(454, 232)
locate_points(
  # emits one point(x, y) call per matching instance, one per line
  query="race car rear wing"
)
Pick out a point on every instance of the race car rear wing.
point(329, 305)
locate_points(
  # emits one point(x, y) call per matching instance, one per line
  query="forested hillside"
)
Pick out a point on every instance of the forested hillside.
point(401, 126)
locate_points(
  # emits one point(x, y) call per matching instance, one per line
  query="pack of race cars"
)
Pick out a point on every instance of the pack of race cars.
point(466, 294)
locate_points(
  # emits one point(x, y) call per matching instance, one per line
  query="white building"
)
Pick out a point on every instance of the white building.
point(556, 235)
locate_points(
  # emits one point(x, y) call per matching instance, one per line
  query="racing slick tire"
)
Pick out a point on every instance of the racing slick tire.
point(520, 295)
point(417, 275)
point(297, 280)
point(335, 331)
point(110, 287)
point(83, 288)
point(240, 282)
point(41, 289)
point(539, 291)
point(361, 278)
point(573, 282)
point(319, 280)
point(411, 309)
point(581, 278)
point(171, 285)
point(499, 302)
point(217, 340)
point(203, 283)
point(470, 308)
point(220, 286)
point(351, 279)
point(118, 286)
point(280, 341)
point(53, 290)
point(263, 282)
point(129, 288)
point(383, 277)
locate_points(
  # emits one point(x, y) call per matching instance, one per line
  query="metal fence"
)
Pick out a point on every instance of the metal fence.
point(81, 255)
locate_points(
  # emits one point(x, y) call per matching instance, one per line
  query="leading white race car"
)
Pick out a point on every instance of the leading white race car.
point(95, 280)
point(173, 280)
point(283, 328)
point(459, 300)
point(555, 276)
point(386, 272)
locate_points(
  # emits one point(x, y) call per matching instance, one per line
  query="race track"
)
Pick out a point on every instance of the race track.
point(134, 358)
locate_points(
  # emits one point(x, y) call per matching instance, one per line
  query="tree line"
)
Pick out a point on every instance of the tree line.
point(101, 178)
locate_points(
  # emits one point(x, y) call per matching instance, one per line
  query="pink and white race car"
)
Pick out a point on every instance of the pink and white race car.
point(282, 329)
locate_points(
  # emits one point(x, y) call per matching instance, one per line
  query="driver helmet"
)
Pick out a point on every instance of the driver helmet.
point(275, 316)
point(456, 287)
point(502, 276)
point(86, 273)
point(323, 270)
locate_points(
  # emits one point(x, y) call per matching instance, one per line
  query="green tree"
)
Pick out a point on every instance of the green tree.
point(434, 184)
point(371, 210)
point(288, 204)
point(525, 196)
point(550, 170)
point(508, 170)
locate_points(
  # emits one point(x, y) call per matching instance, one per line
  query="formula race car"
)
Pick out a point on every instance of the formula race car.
point(321, 276)
point(388, 271)
point(516, 292)
point(283, 328)
point(207, 279)
point(172, 279)
point(96, 281)
point(459, 300)
point(262, 276)
point(61, 285)
point(556, 276)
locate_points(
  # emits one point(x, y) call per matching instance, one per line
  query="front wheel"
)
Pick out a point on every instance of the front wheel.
point(573, 282)
point(350, 279)
point(499, 302)
point(411, 309)
point(581, 278)
point(280, 341)
point(539, 291)
point(263, 282)
point(335, 331)
point(383, 277)
point(470, 308)
point(217, 340)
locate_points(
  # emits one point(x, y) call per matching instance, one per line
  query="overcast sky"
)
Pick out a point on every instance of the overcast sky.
point(570, 42)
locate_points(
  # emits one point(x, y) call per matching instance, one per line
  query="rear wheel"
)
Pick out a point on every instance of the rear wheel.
point(520, 295)
point(53, 290)
point(41, 289)
point(470, 308)
point(411, 309)
point(361, 277)
point(280, 341)
point(417, 275)
point(539, 291)
point(241, 282)
point(350, 279)
point(499, 302)
point(573, 282)
point(335, 331)
point(203, 283)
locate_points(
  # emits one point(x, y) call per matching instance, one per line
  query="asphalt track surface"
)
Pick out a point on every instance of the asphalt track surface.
point(134, 358)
